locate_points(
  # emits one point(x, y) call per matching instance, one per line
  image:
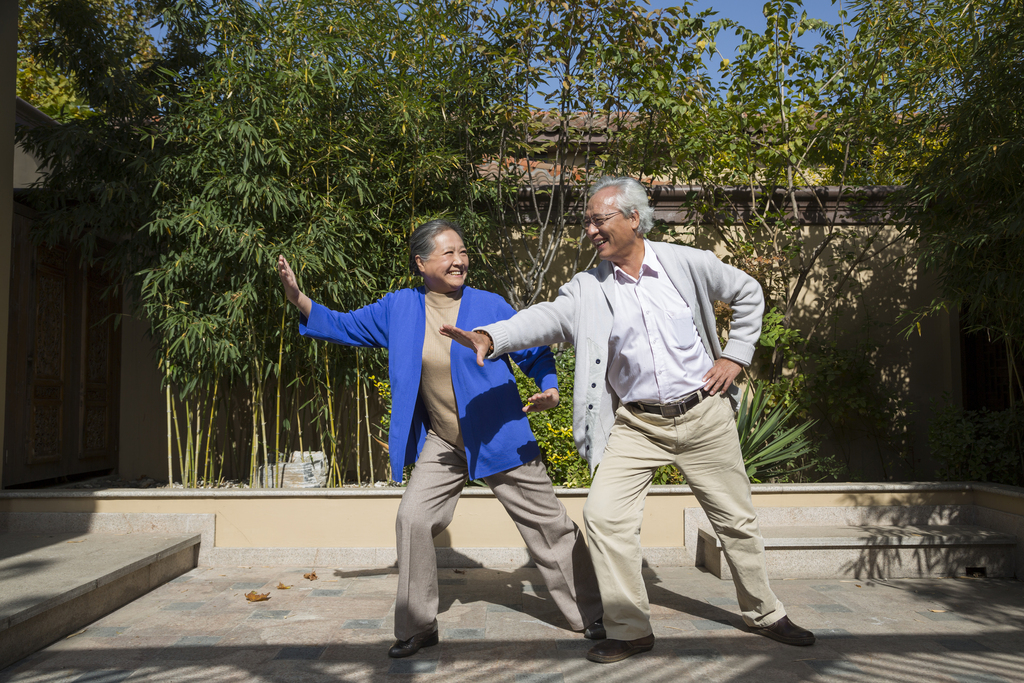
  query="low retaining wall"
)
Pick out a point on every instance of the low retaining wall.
point(356, 527)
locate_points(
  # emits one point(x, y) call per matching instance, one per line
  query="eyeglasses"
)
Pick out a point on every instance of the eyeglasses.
point(598, 219)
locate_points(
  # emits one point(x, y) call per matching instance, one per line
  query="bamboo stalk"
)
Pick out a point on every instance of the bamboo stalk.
point(277, 410)
point(359, 472)
point(177, 437)
point(190, 452)
point(208, 468)
point(170, 443)
point(334, 476)
point(267, 474)
point(369, 440)
point(253, 461)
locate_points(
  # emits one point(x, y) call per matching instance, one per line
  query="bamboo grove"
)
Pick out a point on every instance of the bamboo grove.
point(326, 130)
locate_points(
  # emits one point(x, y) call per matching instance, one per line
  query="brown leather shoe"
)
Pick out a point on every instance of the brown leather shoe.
point(785, 631)
point(405, 648)
point(608, 651)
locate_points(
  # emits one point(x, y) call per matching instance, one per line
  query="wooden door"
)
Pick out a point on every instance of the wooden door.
point(63, 365)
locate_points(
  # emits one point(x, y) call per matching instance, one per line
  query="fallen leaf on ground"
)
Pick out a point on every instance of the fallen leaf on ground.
point(282, 587)
point(311, 576)
point(76, 633)
point(460, 571)
point(938, 610)
point(253, 596)
point(81, 540)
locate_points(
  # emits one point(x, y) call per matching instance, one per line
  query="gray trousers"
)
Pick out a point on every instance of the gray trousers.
point(554, 541)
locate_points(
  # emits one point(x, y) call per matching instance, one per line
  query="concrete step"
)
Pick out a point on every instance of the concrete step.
point(872, 551)
point(53, 584)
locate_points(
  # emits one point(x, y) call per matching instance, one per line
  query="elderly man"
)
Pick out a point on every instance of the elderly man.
point(650, 389)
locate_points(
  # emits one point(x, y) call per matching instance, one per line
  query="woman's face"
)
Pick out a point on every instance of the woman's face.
point(445, 270)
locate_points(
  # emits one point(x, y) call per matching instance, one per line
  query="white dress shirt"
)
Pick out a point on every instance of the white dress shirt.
point(656, 355)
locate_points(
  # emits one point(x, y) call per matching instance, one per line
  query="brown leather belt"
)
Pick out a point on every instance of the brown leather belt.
point(674, 409)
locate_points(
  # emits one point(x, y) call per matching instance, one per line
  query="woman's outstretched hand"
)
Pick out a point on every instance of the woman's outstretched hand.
point(291, 287)
point(480, 343)
point(546, 400)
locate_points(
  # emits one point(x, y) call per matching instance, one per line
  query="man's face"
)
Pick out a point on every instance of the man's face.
point(615, 239)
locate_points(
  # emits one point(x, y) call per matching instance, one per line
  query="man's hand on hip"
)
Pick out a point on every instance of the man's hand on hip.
point(721, 375)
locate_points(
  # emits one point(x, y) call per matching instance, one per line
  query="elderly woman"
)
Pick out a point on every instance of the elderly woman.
point(463, 420)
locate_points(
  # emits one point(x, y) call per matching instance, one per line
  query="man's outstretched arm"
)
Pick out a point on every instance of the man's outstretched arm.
point(478, 342)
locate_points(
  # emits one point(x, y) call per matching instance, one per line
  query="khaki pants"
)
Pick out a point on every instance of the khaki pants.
point(704, 445)
point(554, 541)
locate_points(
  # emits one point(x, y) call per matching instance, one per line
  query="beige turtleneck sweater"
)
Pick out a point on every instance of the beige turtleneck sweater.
point(436, 377)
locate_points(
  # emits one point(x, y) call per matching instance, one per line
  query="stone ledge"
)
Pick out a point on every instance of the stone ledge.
point(203, 524)
point(796, 537)
point(461, 558)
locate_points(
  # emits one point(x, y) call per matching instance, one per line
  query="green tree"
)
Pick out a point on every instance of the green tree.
point(56, 91)
point(571, 83)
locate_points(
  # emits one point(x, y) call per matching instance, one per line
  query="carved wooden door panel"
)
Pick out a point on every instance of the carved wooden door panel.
point(63, 366)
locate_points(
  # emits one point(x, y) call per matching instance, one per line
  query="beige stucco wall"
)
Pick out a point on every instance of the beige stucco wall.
point(8, 75)
point(350, 518)
point(914, 370)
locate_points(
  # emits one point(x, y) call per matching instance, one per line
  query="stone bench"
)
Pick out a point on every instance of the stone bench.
point(872, 551)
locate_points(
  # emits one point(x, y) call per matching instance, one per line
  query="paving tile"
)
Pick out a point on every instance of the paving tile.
point(962, 645)
point(712, 625)
point(327, 592)
point(192, 641)
point(300, 652)
point(363, 623)
point(698, 655)
point(464, 633)
point(540, 678)
point(270, 614)
point(827, 588)
point(834, 667)
point(832, 633)
point(830, 608)
point(248, 585)
point(941, 616)
point(732, 602)
point(413, 666)
point(104, 631)
point(183, 606)
point(503, 608)
point(979, 678)
point(103, 676)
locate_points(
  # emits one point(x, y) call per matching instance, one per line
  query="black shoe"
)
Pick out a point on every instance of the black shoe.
point(785, 631)
point(608, 651)
point(595, 631)
point(405, 648)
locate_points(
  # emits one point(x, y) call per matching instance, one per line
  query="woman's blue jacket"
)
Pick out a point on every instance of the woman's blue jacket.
point(495, 431)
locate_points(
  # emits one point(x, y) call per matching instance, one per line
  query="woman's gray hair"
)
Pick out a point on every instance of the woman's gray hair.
point(421, 241)
point(631, 196)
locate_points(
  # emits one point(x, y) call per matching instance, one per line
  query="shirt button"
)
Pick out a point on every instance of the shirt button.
point(590, 407)
point(598, 361)
point(593, 384)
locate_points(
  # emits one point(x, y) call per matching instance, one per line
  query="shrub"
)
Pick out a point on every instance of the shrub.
point(978, 445)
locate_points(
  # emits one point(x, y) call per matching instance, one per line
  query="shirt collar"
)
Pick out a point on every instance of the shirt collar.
point(650, 267)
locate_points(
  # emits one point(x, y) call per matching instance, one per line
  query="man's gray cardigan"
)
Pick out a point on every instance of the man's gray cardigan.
point(582, 314)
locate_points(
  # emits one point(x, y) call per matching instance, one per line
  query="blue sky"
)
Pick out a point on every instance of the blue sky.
point(750, 14)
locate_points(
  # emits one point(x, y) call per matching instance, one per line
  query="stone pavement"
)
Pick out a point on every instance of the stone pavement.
point(500, 625)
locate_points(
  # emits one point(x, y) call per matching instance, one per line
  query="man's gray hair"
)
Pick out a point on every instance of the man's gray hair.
point(631, 196)
point(421, 241)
